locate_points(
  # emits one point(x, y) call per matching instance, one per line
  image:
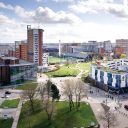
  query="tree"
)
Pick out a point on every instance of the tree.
point(67, 91)
point(108, 116)
point(49, 92)
point(74, 89)
point(29, 94)
point(55, 92)
point(79, 91)
point(122, 56)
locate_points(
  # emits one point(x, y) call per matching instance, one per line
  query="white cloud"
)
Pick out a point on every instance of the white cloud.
point(4, 20)
point(13, 30)
point(84, 32)
point(96, 6)
point(2, 5)
point(46, 15)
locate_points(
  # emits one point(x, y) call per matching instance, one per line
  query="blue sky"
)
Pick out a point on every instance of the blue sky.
point(65, 20)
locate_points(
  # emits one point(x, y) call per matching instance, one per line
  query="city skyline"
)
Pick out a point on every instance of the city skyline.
point(65, 20)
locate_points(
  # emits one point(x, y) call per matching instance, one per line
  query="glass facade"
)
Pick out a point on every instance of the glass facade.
point(21, 73)
point(109, 75)
point(96, 72)
point(118, 81)
point(102, 76)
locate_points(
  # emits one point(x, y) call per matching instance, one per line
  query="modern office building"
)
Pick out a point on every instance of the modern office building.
point(35, 45)
point(14, 71)
point(111, 75)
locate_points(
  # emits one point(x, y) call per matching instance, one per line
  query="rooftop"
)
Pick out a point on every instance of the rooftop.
point(9, 58)
point(103, 66)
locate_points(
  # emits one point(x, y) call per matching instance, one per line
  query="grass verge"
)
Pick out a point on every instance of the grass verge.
point(6, 123)
point(10, 103)
point(27, 85)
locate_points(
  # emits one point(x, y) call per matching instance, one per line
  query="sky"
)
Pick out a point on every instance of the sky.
point(65, 20)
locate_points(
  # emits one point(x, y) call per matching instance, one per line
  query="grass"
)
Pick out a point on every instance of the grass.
point(84, 66)
point(10, 103)
point(70, 70)
point(56, 59)
point(64, 71)
point(27, 85)
point(62, 117)
point(6, 123)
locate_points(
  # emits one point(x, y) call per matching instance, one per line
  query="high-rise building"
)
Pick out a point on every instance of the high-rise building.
point(35, 45)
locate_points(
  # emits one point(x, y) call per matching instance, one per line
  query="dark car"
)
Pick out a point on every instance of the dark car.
point(126, 107)
point(7, 92)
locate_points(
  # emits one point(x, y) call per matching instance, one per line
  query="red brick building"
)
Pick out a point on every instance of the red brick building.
point(23, 51)
point(35, 45)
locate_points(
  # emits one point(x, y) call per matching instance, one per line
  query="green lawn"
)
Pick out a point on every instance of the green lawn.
point(64, 71)
point(62, 117)
point(6, 123)
point(10, 103)
point(84, 66)
point(27, 85)
point(55, 59)
point(70, 70)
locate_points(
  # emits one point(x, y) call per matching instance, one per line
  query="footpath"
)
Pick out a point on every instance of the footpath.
point(17, 114)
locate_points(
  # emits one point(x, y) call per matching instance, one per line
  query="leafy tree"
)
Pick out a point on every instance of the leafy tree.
point(55, 92)
point(122, 56)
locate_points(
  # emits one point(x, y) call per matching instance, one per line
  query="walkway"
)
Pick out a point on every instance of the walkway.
point(17, 114)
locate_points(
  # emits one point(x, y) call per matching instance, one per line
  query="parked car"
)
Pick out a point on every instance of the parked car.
point(126, 107)
point(2, 96)
point(7, 92)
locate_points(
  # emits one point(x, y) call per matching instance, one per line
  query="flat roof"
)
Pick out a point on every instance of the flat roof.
point(8, 58)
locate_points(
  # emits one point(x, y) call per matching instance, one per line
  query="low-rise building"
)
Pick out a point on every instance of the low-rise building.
point(111, 75)
point(14, 71)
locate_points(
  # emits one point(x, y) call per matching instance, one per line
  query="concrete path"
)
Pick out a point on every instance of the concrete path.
point(17, 114)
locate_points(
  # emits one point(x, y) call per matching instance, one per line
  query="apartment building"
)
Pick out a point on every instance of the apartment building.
point(35, 45)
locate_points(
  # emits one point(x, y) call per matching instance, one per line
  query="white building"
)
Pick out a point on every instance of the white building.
point(112, 75)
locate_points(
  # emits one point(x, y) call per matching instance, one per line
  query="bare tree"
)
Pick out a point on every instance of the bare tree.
point(79, 91)
point(29, 94)
point(68, 90)
point(74, 90)
point(108, 117)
